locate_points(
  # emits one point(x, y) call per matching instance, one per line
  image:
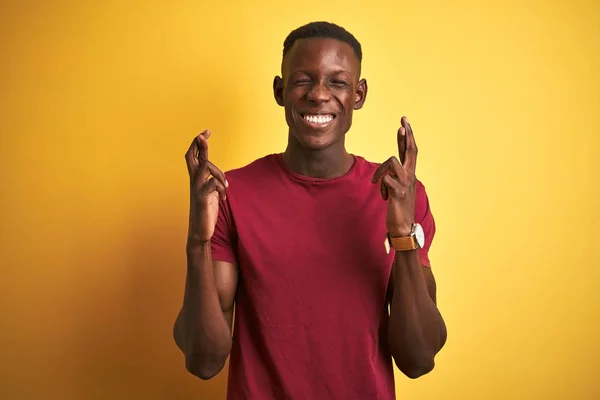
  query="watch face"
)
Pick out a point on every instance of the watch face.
point(386, 245)
point(419, 235)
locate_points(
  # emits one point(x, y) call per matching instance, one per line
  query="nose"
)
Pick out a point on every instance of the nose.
point(318, 93)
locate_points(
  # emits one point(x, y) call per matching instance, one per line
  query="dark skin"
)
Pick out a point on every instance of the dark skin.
point(320, 79)
point(416, 330)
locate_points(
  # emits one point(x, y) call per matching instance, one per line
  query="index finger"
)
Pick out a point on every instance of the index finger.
point(202, 140)
point(190, 156)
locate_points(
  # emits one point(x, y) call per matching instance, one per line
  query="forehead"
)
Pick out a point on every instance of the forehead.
point(321, 54)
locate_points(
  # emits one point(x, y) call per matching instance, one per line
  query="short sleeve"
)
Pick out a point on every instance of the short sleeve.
point(223, 240)
point(424, 217)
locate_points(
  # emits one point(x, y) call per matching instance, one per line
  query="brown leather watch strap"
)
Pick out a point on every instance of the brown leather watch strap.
point(403, 243)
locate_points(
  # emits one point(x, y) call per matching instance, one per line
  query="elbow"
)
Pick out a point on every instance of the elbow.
point(203, 359)
point(415, 358)
point(416, 368)
point(204, 368)
point(413, 361)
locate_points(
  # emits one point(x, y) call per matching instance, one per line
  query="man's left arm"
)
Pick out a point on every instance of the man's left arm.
point(416, 329)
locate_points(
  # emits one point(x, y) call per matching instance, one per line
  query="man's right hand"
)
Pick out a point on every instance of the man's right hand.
point(207, 185)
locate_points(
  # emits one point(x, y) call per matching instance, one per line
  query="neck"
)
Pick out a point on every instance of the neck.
point(331, 162)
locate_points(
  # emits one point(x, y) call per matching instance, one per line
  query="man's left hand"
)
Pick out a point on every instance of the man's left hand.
point(398, 183)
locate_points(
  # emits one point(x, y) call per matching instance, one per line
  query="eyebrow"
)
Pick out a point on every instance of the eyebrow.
point(333, 72)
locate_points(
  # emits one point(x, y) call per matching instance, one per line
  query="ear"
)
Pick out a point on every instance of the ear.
point(361, 94)
point(278, 90)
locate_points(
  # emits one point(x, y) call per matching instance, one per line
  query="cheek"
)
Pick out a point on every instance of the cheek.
point(290, 99)
point(294, 93)
point(346, 100)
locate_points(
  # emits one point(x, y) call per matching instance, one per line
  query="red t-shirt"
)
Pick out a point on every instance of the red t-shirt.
point(310, 308)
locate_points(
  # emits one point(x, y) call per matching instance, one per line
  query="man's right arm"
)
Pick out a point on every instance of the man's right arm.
point(203, 328)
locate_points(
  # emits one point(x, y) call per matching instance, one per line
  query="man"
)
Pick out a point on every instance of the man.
point(311, 246)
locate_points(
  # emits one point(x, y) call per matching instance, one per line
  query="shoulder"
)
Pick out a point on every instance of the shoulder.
point(257, 168)
point(254, 179)
point(366, 164)
point(365, 168)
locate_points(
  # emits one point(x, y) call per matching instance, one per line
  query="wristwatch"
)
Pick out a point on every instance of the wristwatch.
point(415, 240)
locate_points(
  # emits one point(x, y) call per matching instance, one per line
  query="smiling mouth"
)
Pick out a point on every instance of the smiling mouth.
point(317, 120)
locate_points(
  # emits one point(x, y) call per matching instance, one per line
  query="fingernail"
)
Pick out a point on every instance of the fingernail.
point(402, 131)
point(226, 183)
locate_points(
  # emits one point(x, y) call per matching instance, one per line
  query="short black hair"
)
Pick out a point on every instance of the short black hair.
point(322, 29)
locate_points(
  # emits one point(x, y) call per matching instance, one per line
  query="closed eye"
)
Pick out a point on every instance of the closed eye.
point(339, 82)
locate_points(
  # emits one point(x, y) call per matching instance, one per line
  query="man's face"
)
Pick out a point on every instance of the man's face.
point(319, 90)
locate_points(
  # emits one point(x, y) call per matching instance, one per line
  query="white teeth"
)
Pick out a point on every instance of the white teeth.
point(318, 119)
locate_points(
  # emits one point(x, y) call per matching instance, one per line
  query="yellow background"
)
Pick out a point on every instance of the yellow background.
point(99, 101)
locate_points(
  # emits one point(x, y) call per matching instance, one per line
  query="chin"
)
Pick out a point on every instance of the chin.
point(316, 140)
point(315, 144)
